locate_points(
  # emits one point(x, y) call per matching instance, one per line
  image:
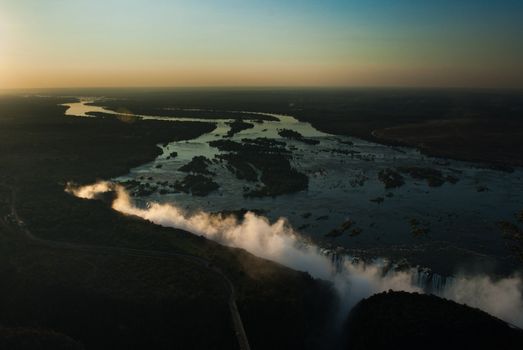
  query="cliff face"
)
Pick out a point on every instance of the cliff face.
point(400, 320)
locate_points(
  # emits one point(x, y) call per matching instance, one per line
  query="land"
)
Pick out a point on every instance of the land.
point(198, 165)
point(86, 274)
point(294, 135)
point(241, 168)
point(418, 229)
point(413, 320)
point(484, 126)
point(197, 185)
point(391, 178)
point(434, 177)
point(340, 230)
point(495, 142)
point(161, 104)
point(267, 156)
point(237, 126)
point(32, 338)
point(513, 233)
point(164, 299)
point(474, 125)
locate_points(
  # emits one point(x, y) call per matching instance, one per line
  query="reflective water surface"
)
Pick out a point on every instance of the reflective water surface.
point(418, 222)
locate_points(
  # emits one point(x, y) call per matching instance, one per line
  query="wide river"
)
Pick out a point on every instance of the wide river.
point(457, 222)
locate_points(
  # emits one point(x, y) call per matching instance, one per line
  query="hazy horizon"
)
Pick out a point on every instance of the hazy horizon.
point(230, 43)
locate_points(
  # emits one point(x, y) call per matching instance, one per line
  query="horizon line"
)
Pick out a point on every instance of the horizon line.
point(264, 87)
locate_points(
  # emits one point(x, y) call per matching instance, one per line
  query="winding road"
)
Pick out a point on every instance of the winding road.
point(13, 219)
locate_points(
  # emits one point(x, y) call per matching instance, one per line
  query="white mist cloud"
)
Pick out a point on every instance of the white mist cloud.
point(280, 243)
point(502, 298)
point(89, 192)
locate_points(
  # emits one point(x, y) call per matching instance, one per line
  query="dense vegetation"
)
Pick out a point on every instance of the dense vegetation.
point(294, 135)
point(478, 125)
point(267, 156)
point(414, 321)
point(31, 339)
point(434, 177)
point(198, 165)
point(166, 303)
point(197, 185)
point(105, 300)
point(154, 104)
point(236, 126)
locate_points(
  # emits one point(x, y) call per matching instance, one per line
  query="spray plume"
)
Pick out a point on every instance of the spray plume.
point(354, 280)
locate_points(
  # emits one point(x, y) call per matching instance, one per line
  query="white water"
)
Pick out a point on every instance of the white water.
point(354, 280)
point(328, 195)
point(461, 221)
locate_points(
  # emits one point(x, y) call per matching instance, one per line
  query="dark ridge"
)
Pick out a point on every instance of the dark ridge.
point(415, 321)
point(36, 339)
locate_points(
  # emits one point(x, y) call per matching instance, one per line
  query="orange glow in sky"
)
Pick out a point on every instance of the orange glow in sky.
point(117, 43)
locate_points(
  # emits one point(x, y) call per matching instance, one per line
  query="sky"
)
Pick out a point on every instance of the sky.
point(125, 43)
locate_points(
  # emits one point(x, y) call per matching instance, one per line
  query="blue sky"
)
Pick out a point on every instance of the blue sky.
point(233, 42)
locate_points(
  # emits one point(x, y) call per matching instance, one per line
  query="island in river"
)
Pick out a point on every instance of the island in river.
point(61, 289)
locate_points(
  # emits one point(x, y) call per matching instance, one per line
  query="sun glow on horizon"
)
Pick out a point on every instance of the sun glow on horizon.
point(230, 43)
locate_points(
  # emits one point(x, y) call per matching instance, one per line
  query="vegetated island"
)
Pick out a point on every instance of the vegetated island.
point(270, 158)
point(486, 125)
point(294, 135)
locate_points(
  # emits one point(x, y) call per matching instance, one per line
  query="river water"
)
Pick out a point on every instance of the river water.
point(458, 220)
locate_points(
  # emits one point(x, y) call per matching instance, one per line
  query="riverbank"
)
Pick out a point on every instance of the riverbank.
point(41, 150)
point(473, 125)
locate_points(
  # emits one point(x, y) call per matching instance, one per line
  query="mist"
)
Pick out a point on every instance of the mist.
point(353, 279)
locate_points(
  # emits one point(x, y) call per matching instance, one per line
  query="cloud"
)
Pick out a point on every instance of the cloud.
point(353, 279)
